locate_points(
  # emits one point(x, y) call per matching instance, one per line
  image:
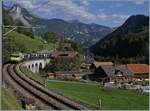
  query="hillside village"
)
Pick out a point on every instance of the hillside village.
point(103, 72)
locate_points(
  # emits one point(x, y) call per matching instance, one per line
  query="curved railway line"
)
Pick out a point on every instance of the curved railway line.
point(45, 98)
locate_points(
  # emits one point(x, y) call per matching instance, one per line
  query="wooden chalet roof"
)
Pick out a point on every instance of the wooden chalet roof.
point(138, 68)
point(114, 70)
point(97, 64)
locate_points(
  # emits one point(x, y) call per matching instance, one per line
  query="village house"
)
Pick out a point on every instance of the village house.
point(114, 74)
point(51, 75)
point(139, 71)
point(64, 51)
point(119, 73)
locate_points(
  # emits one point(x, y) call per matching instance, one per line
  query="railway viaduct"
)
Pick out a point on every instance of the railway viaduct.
point(35, 65)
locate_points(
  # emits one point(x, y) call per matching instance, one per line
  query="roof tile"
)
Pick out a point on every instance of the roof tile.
point(138, 68)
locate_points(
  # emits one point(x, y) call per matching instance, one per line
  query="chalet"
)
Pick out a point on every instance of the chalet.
point(64, 51)
point(114, 74)
point(140, 71)
point(97, 65)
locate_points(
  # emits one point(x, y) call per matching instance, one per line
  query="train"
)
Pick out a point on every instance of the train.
point(16, 57)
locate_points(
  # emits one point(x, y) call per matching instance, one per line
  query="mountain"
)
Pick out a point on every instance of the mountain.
point(86, 34)
point(19, 14)
point(129, 40)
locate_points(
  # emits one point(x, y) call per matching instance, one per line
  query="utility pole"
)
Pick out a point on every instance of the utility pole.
point(100, 103)
point(1, 35)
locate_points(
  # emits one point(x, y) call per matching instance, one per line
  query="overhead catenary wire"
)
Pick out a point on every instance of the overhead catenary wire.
point(7, 26)
point(14, 27)
point(9, 31)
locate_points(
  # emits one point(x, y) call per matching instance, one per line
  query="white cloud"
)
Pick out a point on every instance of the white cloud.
point(69, 9)
point(115, 18)
point(102, 15)
point(66, 7)
point(138, 2)
point(85, 2)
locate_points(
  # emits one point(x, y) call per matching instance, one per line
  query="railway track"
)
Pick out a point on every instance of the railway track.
point(45, 98)
point(21, 92)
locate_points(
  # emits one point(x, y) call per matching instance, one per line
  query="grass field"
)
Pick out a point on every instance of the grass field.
point(28, 44)
point(9, 101)
point(110, 98)
point(91, 93)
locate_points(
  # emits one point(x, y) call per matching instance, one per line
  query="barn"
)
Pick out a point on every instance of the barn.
point(118, 73)
point(113, 73)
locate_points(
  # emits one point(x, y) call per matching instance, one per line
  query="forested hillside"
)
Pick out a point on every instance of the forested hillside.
point(129, 42)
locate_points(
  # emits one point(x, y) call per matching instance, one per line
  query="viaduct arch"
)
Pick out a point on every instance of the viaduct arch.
point(36, 65)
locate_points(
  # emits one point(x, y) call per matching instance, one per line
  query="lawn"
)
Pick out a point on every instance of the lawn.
point(111, 99)
point(9, 101)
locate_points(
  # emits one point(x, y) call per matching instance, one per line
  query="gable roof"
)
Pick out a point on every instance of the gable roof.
point(112, 70)
point(138, 68)
point(97, 64)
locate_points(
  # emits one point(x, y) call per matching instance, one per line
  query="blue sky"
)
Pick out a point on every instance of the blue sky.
point(111, 13)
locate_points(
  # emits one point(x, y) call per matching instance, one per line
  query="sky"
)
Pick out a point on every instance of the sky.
point(112, 13)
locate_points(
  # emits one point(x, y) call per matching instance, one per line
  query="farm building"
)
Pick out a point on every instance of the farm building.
point(119, 73)
point(111, 73)
point(140, 71)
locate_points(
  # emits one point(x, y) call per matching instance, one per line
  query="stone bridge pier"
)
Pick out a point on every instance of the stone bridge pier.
point(36, 65)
